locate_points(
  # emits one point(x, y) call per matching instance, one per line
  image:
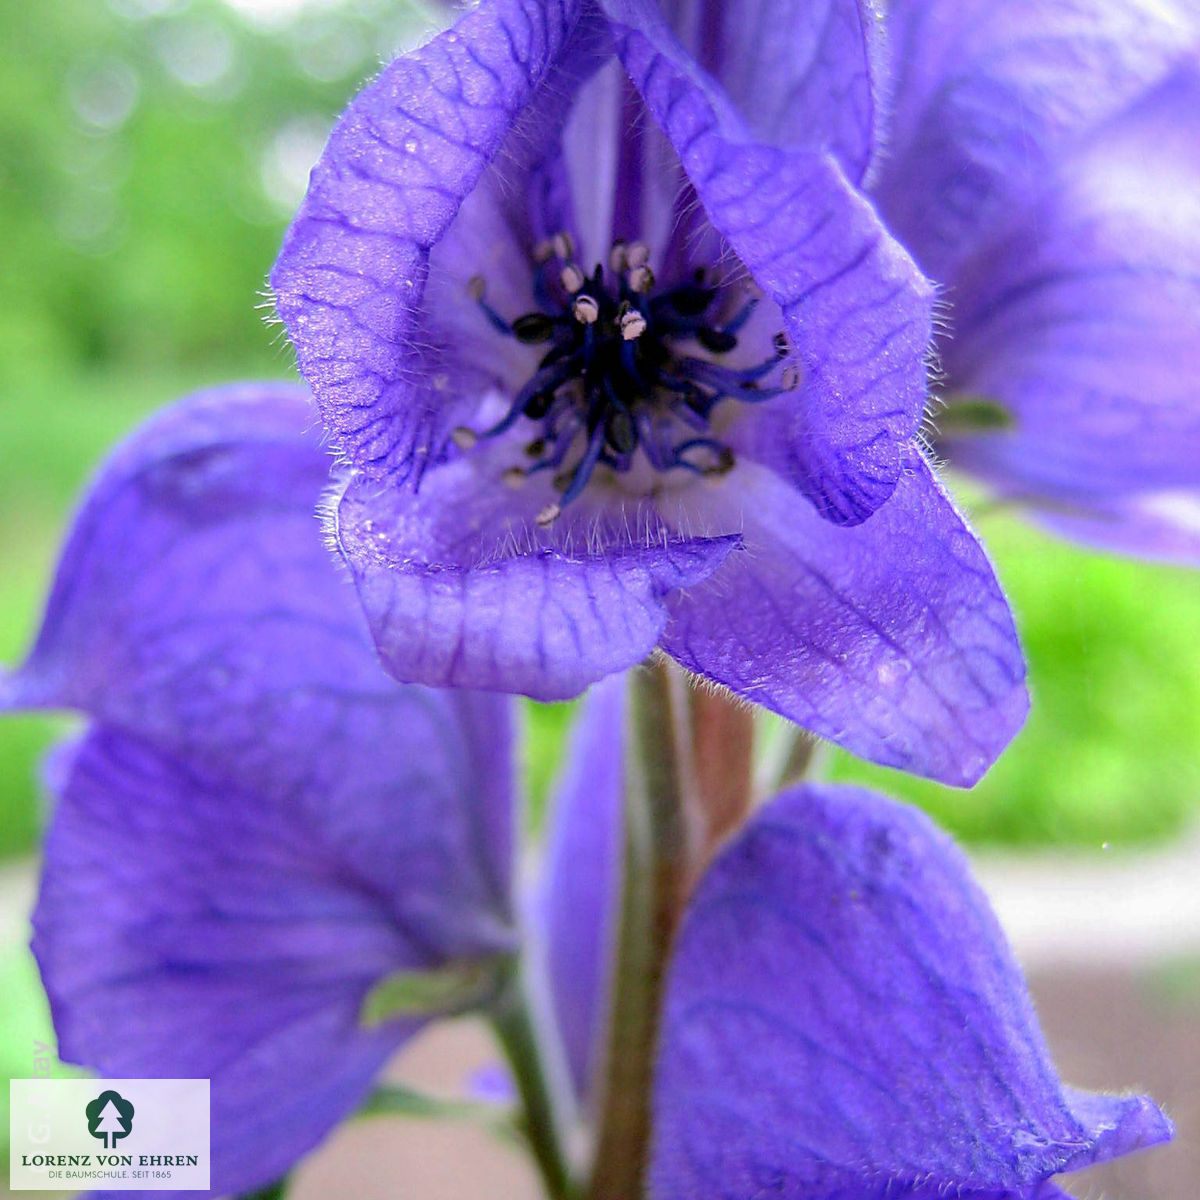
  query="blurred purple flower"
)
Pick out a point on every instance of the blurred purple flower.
point(260, 826)
point(843, 1018)
point(604, 281)
point(1044, 167)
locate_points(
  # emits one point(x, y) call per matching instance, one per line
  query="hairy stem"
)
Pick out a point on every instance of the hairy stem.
point(541, 1122)
point(803, 758)
point(791, 755)
point(723, 746)
point(657, 856)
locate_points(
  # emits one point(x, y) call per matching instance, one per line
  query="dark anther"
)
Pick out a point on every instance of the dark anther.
point(690, 300)
point(622, 436)
point(724, 464)
point(533, 328)
point(716, 340)
point(538, 405)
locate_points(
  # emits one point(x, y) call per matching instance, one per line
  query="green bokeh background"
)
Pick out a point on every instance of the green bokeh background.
point(149, 153)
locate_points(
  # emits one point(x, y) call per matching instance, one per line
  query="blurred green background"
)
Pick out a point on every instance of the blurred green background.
point(150, 153)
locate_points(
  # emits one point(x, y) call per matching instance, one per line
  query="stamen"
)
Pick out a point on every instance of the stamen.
point(723, 457)
point(724, 464)
point(477, 290)
point(615, 379)
point(587, 464)
point(741, 316)
point(533, 328)
point(727, 379)
point(622, 434)
point(585, 309)
point(632, 325)
point(637, 255)
point(719, 341)
point(641, 279)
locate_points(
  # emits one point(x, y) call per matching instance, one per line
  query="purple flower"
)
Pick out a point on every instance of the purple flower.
point(260, 827)
point(843, 1018)
point(1044, 167)
point(593, 302)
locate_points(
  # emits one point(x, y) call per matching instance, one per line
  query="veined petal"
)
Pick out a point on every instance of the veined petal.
point(187, 929)
point(892, 638)
point(801, 73)
point(856, 310)
point(1083, 319)
point(575, 903)
point(462, 588)
point(196, 605)
point(988, 95)
point(873, 1038)
point(447, 167)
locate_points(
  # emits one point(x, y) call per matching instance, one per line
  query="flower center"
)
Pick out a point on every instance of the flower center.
point(628, 367)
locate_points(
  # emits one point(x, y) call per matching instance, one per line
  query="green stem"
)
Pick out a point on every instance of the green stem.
point(541, 1122)
point(655, 871)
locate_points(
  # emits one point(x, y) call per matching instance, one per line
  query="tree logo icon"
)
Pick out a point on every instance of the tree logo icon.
point(109, 1117)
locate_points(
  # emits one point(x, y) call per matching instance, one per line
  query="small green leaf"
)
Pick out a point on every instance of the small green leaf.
point(275, 1191)
point(972, 414)
point(396, 1100)
point(455, 988)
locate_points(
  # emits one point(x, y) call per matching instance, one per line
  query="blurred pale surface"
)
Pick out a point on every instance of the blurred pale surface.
point(387, 1158)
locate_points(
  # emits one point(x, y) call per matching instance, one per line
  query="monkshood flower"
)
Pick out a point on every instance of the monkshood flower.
point(843, 1018)
point(261, 837)
point(1044, 167)
point(593, 303)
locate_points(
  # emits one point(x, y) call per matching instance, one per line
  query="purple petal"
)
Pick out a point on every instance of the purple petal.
point(989, 94)
point(406, 205)
point(856, 310)
point(181, 525)
point(574, 906)
point(187, 929)
point(892, 638)
point(800, 73)
point(1163, 525)
point(196, 605)
point(463, 589)
point(844, 1021)
point(1083, 320)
